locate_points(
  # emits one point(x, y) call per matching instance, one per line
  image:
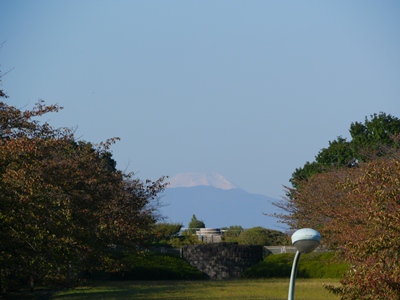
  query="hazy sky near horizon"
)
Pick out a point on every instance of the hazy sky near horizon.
point(248, 89)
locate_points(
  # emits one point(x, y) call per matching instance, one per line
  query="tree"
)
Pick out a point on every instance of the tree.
point(367, 139)
point(357, 211)
point(370, 232)
point(375, 138)
point(63, 203)
point(302, 174)
point(231, 233)
point(312, 205)
point(195, 224)
point(375, 132)
point(262, 236)
point(355, 205)
point(164, 232)
point(2, 94)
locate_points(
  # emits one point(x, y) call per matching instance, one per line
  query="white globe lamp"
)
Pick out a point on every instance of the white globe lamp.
point(305, 241)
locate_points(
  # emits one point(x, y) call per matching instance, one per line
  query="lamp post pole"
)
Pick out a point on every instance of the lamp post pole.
point(305, 240)
point(293, 275)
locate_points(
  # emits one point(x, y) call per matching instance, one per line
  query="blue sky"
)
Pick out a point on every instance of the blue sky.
point(249, 89)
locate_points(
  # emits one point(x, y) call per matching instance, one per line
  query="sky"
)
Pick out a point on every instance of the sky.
point(251, 90)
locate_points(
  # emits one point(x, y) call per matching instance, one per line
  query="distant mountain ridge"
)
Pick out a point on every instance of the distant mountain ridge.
point(191, 179)
point(216, 201)
point(202, 196)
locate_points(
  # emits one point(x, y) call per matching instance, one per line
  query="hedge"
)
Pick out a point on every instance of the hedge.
point(151, 266)
point(313, 265)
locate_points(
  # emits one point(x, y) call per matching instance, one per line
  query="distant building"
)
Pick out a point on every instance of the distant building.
point(209, 235)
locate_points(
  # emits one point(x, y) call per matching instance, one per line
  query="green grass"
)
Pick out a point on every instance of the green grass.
point(161, 276)
point(234, 289)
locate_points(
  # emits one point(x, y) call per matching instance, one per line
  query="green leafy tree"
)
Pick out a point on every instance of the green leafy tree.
point(338, 154)
point(195, 224)
point(375, 132)
point(262, 236)
point(186, 238)
point(164, 232)
point(367, 140)
point(231, 233)
point(356, 209)
point(302, 174)
point(376, 137)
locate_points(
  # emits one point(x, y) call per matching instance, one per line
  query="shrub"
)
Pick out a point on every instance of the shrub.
point(231, 234)
point(151, 266)
point(278, 265)
point(162, 233)
point(321, 265)
point(262, 236)
point(314, 265)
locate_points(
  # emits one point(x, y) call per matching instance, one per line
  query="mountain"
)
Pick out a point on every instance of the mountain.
point(191, 179)
point(216, 207)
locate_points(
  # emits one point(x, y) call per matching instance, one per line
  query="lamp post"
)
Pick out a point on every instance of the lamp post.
point(305, 241)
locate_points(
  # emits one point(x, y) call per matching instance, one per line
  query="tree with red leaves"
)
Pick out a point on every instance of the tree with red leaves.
point(62, 202)
point(357, 211)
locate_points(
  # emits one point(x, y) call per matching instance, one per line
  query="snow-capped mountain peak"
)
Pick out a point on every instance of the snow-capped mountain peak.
point(191, 179)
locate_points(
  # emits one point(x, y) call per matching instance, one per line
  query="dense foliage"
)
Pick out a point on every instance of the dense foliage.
point(366, 228)
point(262, 236)
point(366, 141)
point(195, 224)
point(62, 202)
point(231, 234)
point(150, 266)
point(356, 208)
point(314, 265)
point(163, 233)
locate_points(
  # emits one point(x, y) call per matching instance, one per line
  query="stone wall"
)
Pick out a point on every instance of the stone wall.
point(222, 260)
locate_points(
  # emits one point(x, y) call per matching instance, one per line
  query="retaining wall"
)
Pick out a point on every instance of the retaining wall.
point(222, 260)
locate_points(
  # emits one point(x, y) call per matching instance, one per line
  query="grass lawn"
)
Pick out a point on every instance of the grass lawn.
point(235, 289)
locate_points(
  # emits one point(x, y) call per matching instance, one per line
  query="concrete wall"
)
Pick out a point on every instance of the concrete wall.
point(280, 249)
point(222, 260)
point(209, 235)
